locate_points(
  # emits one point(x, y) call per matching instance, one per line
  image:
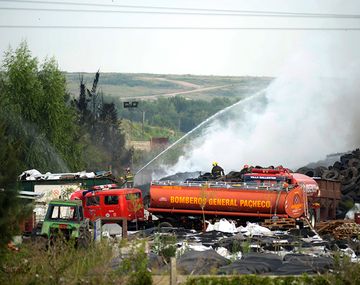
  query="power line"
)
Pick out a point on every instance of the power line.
point(198, 10)
point(176, 28)
point(336, 16)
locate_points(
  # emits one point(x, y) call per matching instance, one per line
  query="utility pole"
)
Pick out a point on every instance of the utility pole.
point(132, 105)
point(143, 121)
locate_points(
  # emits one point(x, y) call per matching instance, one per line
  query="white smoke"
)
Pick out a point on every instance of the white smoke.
point(311, 110)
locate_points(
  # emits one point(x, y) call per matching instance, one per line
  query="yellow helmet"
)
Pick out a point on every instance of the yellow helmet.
point(215, 163)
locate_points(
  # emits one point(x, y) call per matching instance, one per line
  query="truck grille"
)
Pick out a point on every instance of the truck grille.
point(64, 233)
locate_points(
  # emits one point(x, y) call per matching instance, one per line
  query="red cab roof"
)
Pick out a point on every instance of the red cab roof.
point(120, 191)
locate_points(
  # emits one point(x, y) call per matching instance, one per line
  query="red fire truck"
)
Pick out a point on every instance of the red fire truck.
point(260, 193)
point(111, 202)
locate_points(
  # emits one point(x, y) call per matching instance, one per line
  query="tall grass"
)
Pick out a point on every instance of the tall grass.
point(63, 263)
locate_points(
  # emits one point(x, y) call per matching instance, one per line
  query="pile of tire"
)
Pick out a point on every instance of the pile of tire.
point(347, 171)
point(181, 176)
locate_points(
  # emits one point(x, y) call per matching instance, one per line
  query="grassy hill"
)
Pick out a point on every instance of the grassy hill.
point(153, 86)
point(136, 132)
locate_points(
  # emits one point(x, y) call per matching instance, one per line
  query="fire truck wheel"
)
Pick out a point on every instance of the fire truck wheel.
point(165, 225)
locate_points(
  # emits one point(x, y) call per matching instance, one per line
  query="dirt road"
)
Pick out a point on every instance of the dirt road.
point(167, 95)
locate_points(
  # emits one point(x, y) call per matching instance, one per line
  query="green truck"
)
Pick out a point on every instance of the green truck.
point(44, 188)
point(65, 220)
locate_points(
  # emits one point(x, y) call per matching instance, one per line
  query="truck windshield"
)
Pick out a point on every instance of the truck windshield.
point(93, 201)
point(131, 196)
point(63, 212)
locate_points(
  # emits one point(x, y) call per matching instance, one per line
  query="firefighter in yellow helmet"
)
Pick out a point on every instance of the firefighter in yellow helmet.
point(217, 170)
point(129, 178)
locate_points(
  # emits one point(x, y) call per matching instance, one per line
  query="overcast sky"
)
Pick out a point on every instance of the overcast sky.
point(181, 51)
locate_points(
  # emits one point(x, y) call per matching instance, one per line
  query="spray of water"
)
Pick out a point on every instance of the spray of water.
point(201, 125)
point(49, 160)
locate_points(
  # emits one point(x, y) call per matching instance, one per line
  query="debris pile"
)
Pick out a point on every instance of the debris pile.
point(34, 174)
point(200, 262)
point(339, 229)
point(347, 230)
point(252, 249)
point(282, 223)
point(290, 264)
point(181, 176)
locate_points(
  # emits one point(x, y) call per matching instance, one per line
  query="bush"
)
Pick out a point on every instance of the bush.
point(60, 264)
point(134, 266)
point(165, 245)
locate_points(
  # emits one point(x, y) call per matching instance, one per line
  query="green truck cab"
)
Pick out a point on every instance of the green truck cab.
point(65, 219)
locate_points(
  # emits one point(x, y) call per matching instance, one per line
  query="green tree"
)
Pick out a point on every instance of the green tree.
point(40, 114)
point(112, 139)
point(21, 83)
point(103, 142)
point(10, 165)
point(60, 126)
point(176, 113)
point(37, 128)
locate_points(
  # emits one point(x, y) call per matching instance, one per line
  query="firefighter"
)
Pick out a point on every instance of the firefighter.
point(217, 171)
point(129, 178)
point(246, 169)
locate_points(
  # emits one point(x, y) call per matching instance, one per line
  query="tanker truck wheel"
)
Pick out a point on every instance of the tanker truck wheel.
point(165, 225)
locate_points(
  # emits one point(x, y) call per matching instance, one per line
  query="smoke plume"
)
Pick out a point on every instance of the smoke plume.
point(309, 111)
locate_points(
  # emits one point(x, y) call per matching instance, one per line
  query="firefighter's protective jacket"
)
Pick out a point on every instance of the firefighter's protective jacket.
point(129, 177)
point(217, 171)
